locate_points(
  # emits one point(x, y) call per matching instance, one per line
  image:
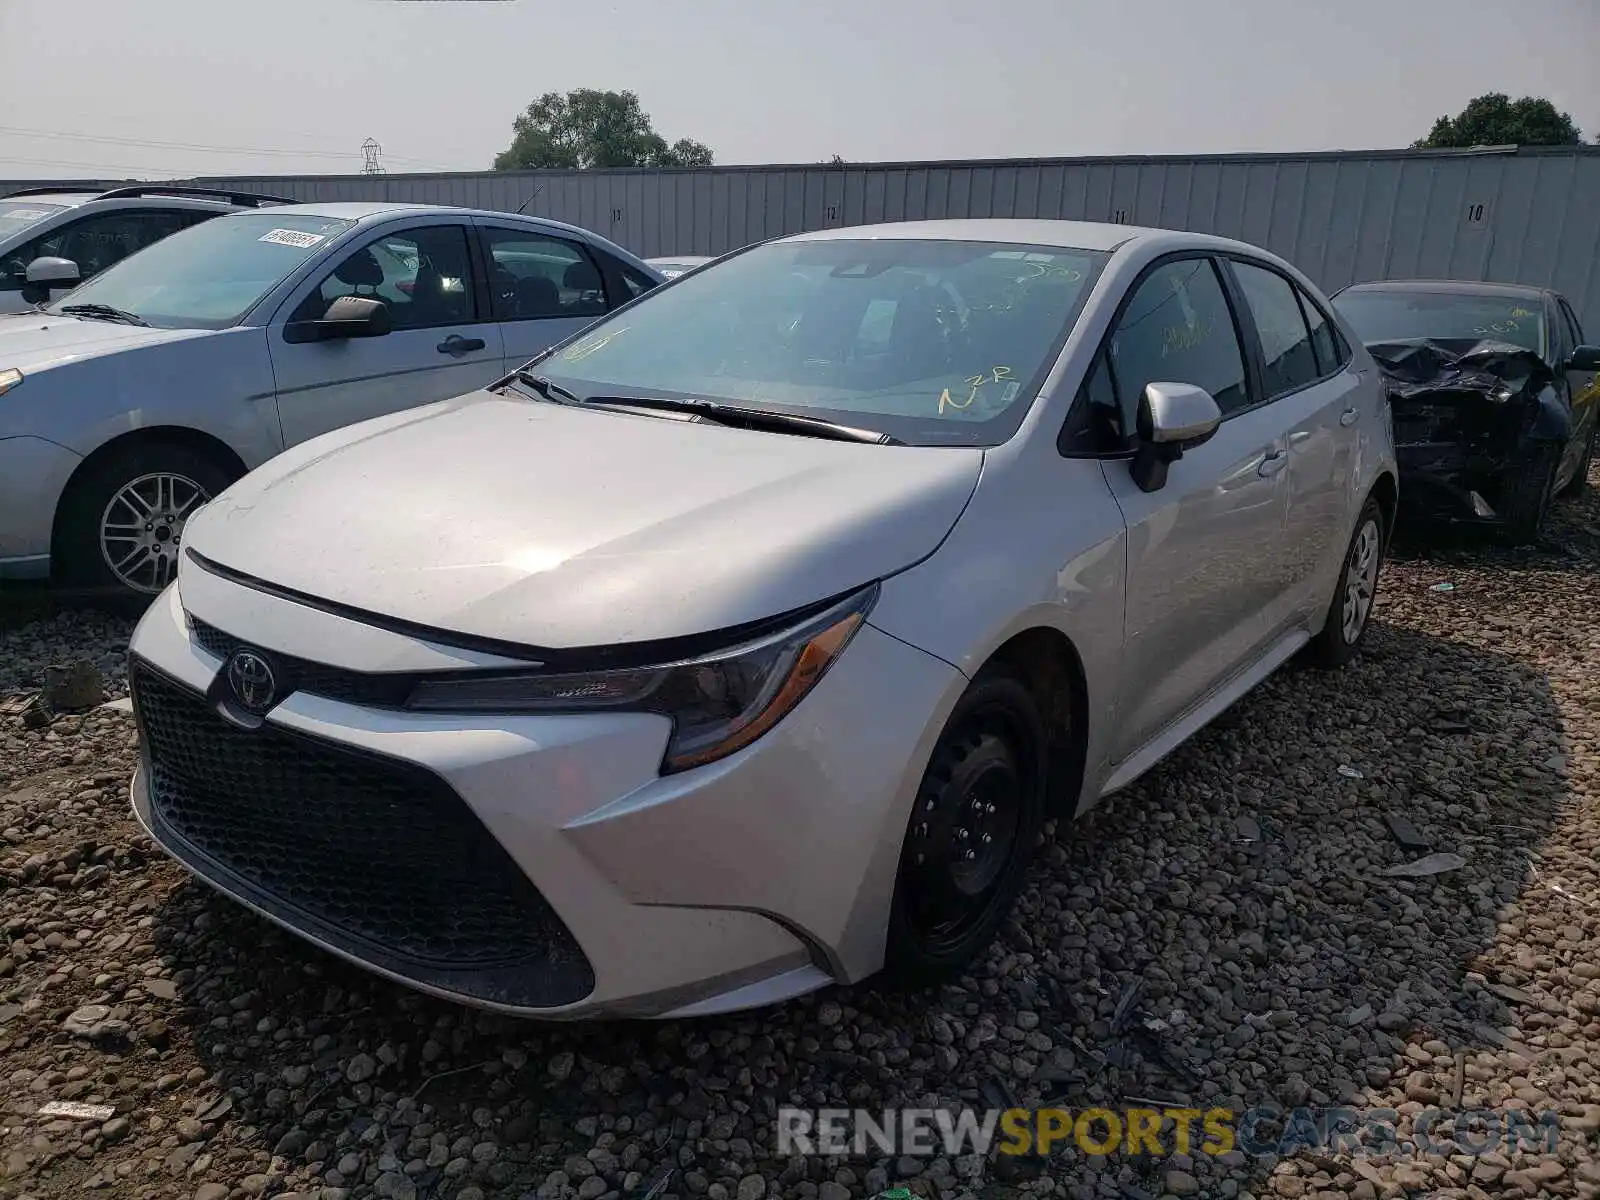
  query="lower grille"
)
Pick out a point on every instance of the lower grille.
point(375, 856)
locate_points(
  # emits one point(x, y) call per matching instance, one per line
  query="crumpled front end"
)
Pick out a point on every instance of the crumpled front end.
point(1470, 419)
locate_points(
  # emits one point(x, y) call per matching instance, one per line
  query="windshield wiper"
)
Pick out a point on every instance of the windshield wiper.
point(753, 418)
point(551, 391)
point(104, 312)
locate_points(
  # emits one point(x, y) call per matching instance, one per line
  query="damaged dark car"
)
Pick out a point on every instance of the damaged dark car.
point(1493, 393)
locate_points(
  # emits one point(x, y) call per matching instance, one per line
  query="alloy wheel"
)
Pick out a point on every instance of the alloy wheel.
point(1361, 581)
point(141, 529)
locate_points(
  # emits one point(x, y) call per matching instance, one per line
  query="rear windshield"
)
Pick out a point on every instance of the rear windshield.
point(934, 342)
point(209, 275)
point(17, 215)
point(1444, 316)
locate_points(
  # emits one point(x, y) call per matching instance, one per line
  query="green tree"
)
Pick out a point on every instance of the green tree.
point(1497, 120)
point(588, 128)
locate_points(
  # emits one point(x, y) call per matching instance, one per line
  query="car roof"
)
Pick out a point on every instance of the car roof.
point(1453, 287)
point(1067, 235)
point(368, 210)
point(65, 197)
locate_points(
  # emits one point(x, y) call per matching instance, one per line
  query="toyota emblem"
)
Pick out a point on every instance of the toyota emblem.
point(250, 676)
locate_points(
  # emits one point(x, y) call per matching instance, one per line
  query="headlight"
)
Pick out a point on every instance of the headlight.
point(718, 704)
point(9, 378)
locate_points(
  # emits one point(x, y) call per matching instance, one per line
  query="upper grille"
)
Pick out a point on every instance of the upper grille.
point(376, 856)
point(319, 679)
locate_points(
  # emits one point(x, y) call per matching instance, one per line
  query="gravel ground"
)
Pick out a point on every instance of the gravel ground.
point(1240, 885)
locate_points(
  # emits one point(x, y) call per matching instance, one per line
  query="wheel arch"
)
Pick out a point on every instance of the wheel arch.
point(1386, 491)
point(1049, 665)
point(196, 440)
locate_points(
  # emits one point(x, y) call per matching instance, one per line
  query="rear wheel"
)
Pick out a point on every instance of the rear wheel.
point(972, 832)
point(1525, 498)
point(121, 524)
point(1350, 611)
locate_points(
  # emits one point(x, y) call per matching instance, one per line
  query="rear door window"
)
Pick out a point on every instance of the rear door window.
point(534, 276)
point(1287, 359)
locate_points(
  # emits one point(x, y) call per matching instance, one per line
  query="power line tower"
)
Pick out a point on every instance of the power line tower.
point(369, 153)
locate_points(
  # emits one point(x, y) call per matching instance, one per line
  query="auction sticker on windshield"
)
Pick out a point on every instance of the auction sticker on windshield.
point(292, 237)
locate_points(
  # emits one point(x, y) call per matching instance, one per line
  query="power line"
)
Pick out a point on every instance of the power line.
point(195, 147)
point(112, 168)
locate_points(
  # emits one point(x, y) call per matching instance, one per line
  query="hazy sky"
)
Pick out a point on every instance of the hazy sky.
point(182, 87)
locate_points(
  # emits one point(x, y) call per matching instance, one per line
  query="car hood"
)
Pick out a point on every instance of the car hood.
point(557, 527)
point(36, 341)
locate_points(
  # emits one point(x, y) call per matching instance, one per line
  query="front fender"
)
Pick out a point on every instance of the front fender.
point(1552, 418)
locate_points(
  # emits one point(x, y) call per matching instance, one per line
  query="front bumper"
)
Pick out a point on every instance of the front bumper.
point(610, 890)
point(33, 474)
point(1445, 483)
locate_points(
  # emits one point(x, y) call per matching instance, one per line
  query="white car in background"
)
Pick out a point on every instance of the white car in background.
point(680, 264)
point(135, 398)
point(72, 235)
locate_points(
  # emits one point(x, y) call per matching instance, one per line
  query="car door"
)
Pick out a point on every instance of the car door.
point(442, 343)
point(543, 288)
point(1583, 392)
point(1205, 551)
point(1320, 404)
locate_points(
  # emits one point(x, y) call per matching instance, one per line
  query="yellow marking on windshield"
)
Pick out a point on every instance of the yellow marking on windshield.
point(974, 386)
point(583, 350)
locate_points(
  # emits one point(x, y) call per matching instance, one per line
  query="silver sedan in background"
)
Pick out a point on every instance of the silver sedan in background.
point(743, 642)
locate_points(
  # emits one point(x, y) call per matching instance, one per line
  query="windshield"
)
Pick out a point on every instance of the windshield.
point(1446, 316)
point(211, 274)
point(17, 215)
point(933, 342)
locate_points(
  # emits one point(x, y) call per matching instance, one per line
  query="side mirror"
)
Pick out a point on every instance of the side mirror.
point(47, 274)
point(347, 317)
point(1585, 358)
point(1172, 418)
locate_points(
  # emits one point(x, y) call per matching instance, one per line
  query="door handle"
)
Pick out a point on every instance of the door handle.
point(1349, 416)
point(1272, 463)
point(458, 345)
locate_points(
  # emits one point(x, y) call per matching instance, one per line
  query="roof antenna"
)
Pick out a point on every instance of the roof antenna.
point(537, 188)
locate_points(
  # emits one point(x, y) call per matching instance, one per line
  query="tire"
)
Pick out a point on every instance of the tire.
point(170, 479)
point(1350, 611)
point(972, 832)
point(1525, 499)
point(1579, 483)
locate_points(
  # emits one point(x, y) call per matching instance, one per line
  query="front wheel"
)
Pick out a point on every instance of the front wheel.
point(972, 832)
point(1525, 498)
point(1350, 612)
point(121, 523)
point(1580, 480)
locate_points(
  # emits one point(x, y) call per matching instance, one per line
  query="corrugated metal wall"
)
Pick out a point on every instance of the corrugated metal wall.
point(1526, 216)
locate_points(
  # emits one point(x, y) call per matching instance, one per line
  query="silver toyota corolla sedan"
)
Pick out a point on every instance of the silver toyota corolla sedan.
point(744, 642)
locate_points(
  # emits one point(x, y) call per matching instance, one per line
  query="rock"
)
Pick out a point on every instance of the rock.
point(1181, 1183)
point(73, 687)
point(211, 1191)
point(361, 1068)
point(752, 1187)
point(82, 1020)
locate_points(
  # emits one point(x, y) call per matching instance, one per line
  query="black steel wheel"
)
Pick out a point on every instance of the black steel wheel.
point(972, 831)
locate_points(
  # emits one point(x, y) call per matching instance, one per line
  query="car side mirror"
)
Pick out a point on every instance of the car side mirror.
point(46, 274)
point(1585, 358)
point(1172, 418)
point(347, 317)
